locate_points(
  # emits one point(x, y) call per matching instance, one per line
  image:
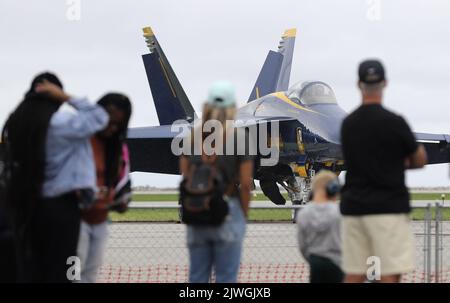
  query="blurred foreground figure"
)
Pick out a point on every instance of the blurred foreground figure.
point(378, 146)
point(7, 247)
point(53, 175)
point(112, 168)
point(213, 205)
point(319, 230)
point(25, 135)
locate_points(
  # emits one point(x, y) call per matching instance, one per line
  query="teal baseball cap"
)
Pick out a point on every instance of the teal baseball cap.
point(222, 94)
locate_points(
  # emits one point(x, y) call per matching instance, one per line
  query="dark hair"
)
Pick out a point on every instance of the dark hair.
point(39, 79)
point(113, 145)
point(26, 130)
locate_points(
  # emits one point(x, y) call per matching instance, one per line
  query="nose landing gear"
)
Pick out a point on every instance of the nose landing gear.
point(299, 190)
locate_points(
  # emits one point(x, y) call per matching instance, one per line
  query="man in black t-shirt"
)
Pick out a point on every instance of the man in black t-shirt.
point(378, 146)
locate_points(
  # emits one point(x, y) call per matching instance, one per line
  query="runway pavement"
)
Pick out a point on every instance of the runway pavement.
point(265, 203)
point(138, 248)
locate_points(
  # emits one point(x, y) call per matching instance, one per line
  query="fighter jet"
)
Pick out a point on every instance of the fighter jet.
point(308, 114)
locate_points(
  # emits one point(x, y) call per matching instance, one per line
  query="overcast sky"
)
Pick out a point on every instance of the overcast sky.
point(210, 40)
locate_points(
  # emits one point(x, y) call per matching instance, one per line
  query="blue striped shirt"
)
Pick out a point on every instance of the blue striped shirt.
point(69, 161)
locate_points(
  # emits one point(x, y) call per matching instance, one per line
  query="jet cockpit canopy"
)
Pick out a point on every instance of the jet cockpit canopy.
point(310, 93)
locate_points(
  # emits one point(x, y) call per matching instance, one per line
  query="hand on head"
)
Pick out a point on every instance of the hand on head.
point(52, 90)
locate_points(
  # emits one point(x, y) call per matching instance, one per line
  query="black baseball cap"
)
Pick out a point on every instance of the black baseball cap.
point(371, 72)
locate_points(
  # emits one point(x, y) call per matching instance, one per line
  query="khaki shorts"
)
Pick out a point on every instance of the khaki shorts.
point(387, 236)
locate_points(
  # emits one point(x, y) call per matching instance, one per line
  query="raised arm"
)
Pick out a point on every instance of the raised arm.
point(87, 120)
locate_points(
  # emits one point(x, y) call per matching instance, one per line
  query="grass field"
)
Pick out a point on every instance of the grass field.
point(171, 215)
point(266, 215)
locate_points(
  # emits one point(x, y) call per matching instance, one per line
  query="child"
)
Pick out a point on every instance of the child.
point(319, 230)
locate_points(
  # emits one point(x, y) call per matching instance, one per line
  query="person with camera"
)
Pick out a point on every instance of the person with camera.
point(112, 168)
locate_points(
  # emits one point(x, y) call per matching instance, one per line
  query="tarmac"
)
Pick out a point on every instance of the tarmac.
point(269, 248)
point(269, 204)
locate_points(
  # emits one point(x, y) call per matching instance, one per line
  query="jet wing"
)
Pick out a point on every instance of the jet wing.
point(150, 150)
point(437, 147)
point(150, 147)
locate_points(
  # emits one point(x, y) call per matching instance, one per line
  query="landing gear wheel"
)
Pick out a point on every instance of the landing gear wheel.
point(294, 190)
point(306, 189)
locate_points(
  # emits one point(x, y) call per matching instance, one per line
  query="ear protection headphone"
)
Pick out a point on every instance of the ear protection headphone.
point(333, 188)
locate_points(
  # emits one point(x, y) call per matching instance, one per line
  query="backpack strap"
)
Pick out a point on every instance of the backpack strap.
point(199, 159)
point(196, 161)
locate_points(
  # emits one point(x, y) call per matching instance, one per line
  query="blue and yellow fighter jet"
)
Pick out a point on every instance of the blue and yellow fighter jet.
point(308, 114)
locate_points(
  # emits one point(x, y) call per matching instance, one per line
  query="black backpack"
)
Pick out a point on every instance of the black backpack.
point(202, 194)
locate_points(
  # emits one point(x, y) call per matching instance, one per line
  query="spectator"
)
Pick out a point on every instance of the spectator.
point(53, 173)
point(25, 132)
point(7, 247)
point(377, 146)
point(219, 246)
point(319, 230)
point(112, 167)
